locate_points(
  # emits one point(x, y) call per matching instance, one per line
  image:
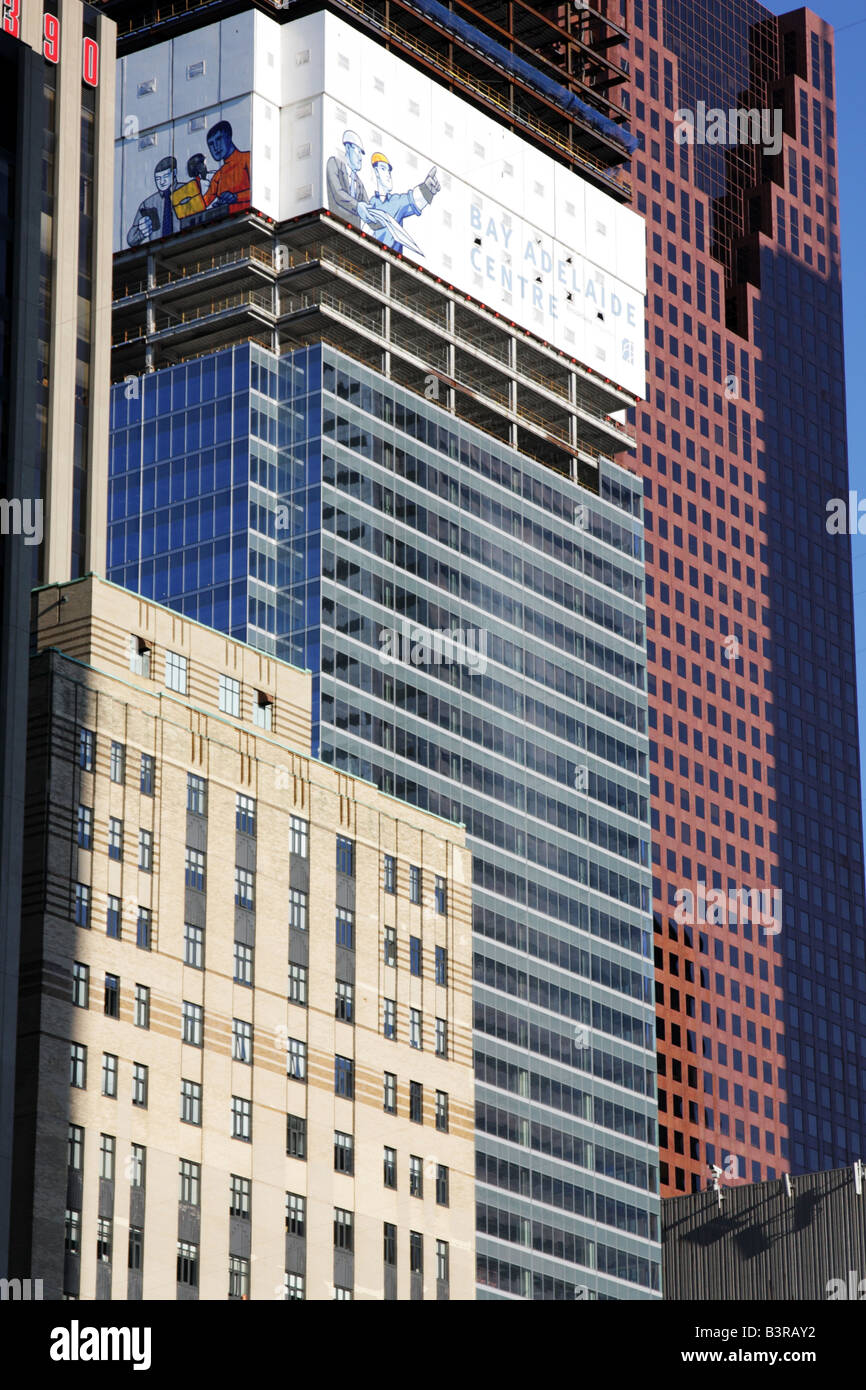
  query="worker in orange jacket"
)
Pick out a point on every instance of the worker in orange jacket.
point(230, 185)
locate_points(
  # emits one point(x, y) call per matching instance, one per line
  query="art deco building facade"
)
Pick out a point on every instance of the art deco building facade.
point(245, 1061)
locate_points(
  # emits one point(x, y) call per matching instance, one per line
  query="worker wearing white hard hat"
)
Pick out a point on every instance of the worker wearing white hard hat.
point(347, 196)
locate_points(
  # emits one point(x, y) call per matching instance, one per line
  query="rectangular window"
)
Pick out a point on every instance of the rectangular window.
point(82, 905)
point(193, 946)
point(414, 884)
point(390, 873)
point(416, 1252)
point(139, 1084)
point(143, 929)
point(239, 1199)
point(390, 945)
point(390, 1243)
point(441, 965)
point(85, 827)
point(230, 696)
point(344, 1152)
point(239, 1277)
point(75, 1147)
point(196, 794)
point(175, 672)
point(263, 711)
point(294, 1286)
point(72, 1243)
point(297, 909)
point(112, 996)
point(389, 1167)
point(442, 1262)
point(245, 815)
point(343, 1294)
point(389, 1102)
point(244, 891)
point(187, 1264)
point(189, 1176)
point(137, 1160)
point(345, 856)
point(344, 1229)
point(78, 1065)
point(389, 1018)
point(148, 769)
point(441, 895)
point(86, 749)
point(103, 1240)
point(107, 1153)
point(243, 964)
point(135, 1253)
point(190, 1102)
point(242, 1118)
point(112, 917)
point(192, 1023)
point(416, 1102)
point(346, 928)
point(142, 1006)
point(415, 958)
point(195, 872)
point(296, 1136)
point(145, 851)
point(344, 1002)
point(296, 1059)
point(115, 838)
point(442, 1111)
point(117, 762)
point(416, 1176)
point(442, 1185)
point(415, 1028)
point(242, 1040)
point(80, 984)
point(298, 985)
point(344, 1077)
point(296, 1214)
point(109, 1075)
point(139, 656)
point(441, 1037)
point(299, 837)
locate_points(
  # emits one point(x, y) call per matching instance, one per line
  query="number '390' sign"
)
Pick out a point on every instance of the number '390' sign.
point(51, 40)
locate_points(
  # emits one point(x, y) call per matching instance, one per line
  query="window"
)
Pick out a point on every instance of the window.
point(441, 965)
point(190, 1102)
point(345, 856)
point(239, 1277)
point(135, 1252)
point(72, 1244)
point(187, 1264)
point(390, 1093)
point(107, 1154)
point(441, 1037)
point(294, 1286)
point(78, 1065)
point(112, 917)
point(390, 945)
point(415, 1028)
point(344, 1152)
point(389, 1167)
point(192, 1023)
point(109, 1074)
point(115, 838)
point(243, 964)
point(442, 1111)
point(343, 1294)
point(85, 827)
point(416, 1176)
point(390, 873)
point(244, 896)
point(390, 1242)
point(239, 1200)
point(139, 1084)
point(263, 711)
point(175, 672)
point(117, 762)
point(142, 1006)
point(195, 876)
point(196, 794)
point(103, 1240)
point(389, 1020)
point(113, 997)
point(242, 1118)
point(86, 749)
point(296, 1136)
point(143, 928)
point(245, 815)
point(193, 946)
point(75, 1147)
point(296, 1214)
point(442, 1261)
point(299, 836)
point(346, 928)
point(441, 1185)
point(298, 985)
point(344, 1077)
point(415, 967)
point(344, 1002)
point(82, 905)
point(80, 984)
point(297, 909)
point(139, 659)
point(148, 766)
point(242, 1040)
point(414, 884)
point(145, 851)
point(135, 1164)
point(296, 1059)
point(441, 895)
point(344, 1231)
point(189, 1175)
point(416, 1102)
point(416, 1252)
point(230, 695)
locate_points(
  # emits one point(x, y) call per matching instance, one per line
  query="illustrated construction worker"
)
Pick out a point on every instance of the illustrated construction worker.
point(347, 196)
point(230, 185)
point(396, 206)
point(156, 216)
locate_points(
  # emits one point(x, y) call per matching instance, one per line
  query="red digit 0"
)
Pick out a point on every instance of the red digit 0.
point(91, 62)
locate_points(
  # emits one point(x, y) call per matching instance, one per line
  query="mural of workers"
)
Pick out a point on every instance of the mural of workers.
point(347, 196)
point(387, 210)
point(230, 185)
point(156, 216)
